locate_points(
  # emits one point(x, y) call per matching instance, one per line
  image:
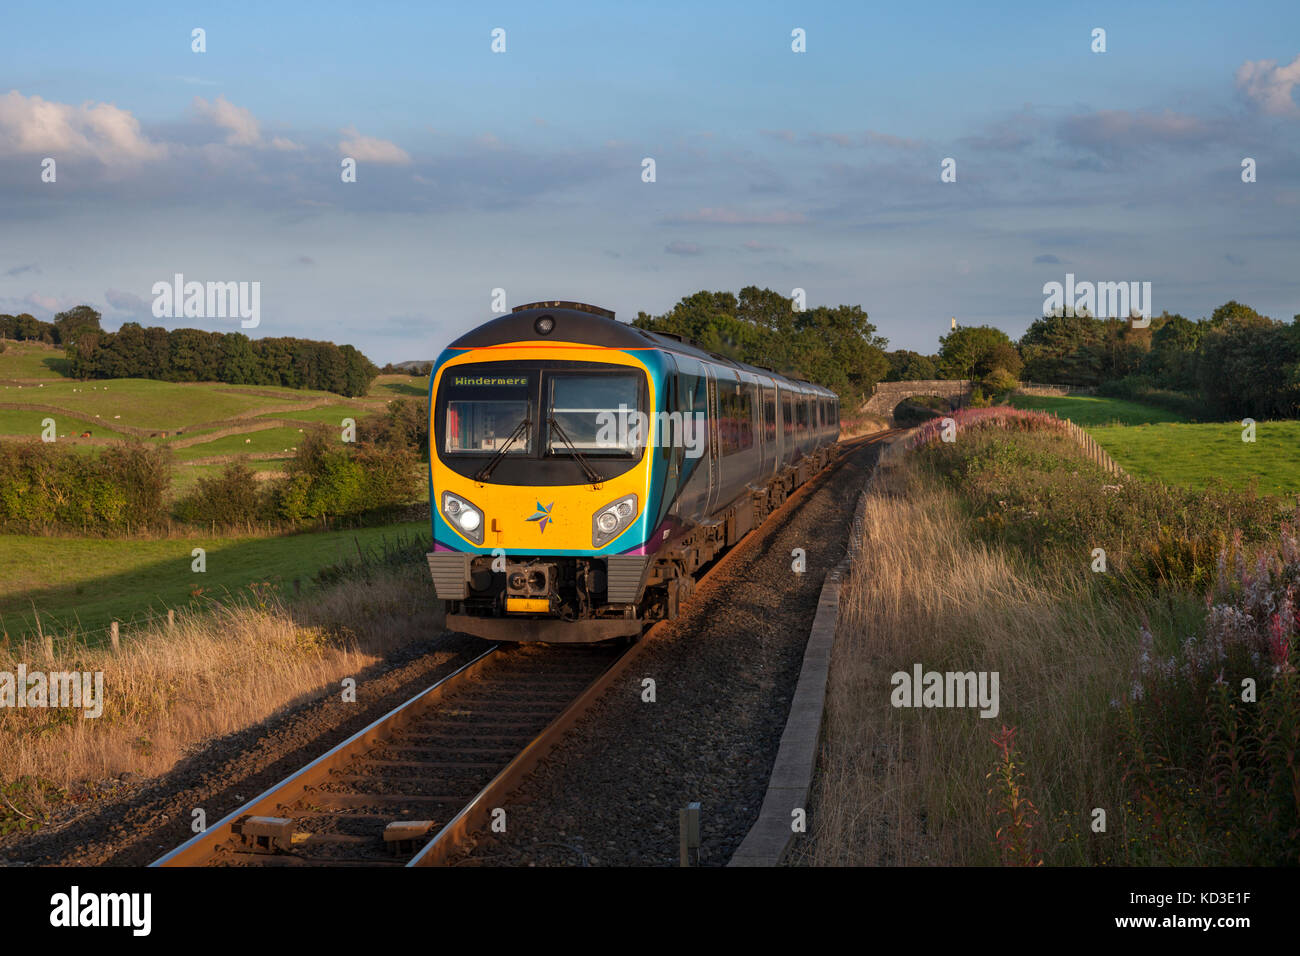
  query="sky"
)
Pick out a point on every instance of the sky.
point(522, 170)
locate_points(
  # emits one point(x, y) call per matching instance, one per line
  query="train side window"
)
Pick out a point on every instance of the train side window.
point(735, 417)
point(769, 415)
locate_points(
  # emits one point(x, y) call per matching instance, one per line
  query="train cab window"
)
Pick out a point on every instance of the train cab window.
point(597, 414)
point(484, 409)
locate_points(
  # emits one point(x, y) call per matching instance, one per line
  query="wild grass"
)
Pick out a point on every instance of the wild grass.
point(1118, 691)
point(222, 668)
point(907, 786)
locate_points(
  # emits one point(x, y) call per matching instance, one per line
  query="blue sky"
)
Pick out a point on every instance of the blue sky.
point(522, 170)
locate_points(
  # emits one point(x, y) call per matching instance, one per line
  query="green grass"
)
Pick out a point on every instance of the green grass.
point(399, 386)
point(1088, 410)
point(27, 424)
point(1156, 443)
point(1195, 455)
point(329, 414)
point(96, 580)
point(267, 440)
point(143, 403)
point(32, 360)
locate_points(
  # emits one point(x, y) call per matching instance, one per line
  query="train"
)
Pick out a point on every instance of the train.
point(582, 471)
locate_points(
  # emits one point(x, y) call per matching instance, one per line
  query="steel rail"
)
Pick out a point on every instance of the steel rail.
point(202, 846)
point(457, 833)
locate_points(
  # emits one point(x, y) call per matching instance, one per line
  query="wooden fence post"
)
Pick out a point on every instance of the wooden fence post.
point(112, 637)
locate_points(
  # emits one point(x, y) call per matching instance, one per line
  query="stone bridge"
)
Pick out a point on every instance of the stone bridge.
point(886, 395)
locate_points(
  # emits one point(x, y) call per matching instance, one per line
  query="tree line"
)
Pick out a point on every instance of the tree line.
point(194, 355)
point(835, 346)
point(1235, 363)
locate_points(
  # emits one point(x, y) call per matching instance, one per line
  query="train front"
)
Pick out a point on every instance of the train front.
point(542, 488)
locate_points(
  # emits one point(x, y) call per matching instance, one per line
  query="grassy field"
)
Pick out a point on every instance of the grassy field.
point(160, 412)
point(329, 414)
point(86, 583)
point(1155, 443)
point(1088, 410)
point(94, 580)
point(32, 360)
point(275, 440)
point(27, 422)
point(1198, 455)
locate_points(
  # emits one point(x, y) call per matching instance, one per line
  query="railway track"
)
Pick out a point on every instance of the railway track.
point(413, 787)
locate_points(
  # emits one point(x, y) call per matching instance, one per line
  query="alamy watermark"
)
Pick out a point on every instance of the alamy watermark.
point(179, 299)
point(1106, 300)
point(947, 689)
point(80, 689)
point(627, 428)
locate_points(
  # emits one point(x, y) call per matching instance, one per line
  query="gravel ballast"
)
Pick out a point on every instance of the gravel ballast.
point(724, 675)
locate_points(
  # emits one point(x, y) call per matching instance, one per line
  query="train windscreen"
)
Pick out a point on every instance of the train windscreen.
point(596, 414)
point(486, 411)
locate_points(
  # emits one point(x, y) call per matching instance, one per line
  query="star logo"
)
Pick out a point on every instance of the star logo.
point(542, 515)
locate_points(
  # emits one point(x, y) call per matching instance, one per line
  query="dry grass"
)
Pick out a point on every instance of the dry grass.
point(856, 426)
point(907, 786)
point(218, 671)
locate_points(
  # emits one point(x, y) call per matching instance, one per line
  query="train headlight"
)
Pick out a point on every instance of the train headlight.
point(463, 515)
point(612, 520)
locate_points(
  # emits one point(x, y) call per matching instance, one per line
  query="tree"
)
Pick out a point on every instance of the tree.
point(974, 351)
point(68, 325)
point(837, 346)
point(1064, 349)
point(238, 360)
point(907, 366)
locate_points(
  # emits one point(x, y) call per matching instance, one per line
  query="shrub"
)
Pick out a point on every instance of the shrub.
point(235, 497)
point(45, 486)
point(1027, 485)
point(998, 381)
point(405, 423)
point(328, 479)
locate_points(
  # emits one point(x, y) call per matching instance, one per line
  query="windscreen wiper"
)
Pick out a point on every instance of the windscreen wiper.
point(485, 472)
point(592, 474)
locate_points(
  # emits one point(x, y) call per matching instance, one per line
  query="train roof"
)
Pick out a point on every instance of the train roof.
point(592, 325)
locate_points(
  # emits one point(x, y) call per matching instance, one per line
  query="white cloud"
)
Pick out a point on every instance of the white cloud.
point(1269, 86)
point(240, 124)
point(371, 150)
point(30, 124)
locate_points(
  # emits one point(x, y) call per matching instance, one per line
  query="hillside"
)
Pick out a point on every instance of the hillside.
point(206, 424)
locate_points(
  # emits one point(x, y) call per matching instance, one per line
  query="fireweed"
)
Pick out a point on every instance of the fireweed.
point(1211, 733)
